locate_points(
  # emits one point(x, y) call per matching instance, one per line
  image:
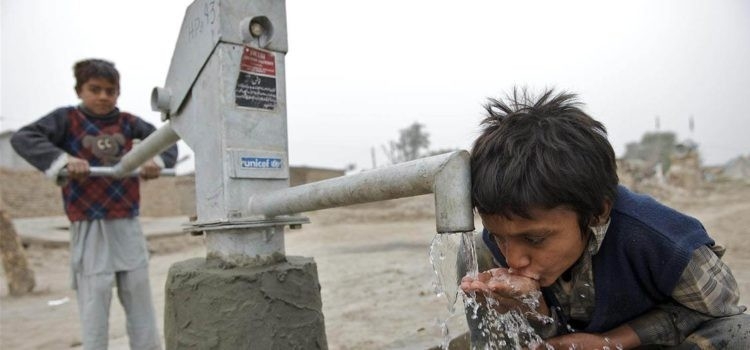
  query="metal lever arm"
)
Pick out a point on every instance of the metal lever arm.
point(110, 172)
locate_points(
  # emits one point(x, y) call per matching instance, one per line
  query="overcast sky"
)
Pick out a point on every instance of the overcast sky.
point(358, 71)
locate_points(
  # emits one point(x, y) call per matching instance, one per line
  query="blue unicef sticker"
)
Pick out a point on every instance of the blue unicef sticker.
point(260, 163)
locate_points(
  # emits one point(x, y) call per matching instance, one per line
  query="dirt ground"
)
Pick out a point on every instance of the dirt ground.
point(373, 264)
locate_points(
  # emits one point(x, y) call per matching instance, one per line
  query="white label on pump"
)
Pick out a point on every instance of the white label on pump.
point(258, 164)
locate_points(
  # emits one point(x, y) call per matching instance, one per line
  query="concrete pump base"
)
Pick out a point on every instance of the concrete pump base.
point(212, 306)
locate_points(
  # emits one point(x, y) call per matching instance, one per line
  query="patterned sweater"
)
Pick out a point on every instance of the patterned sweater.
point(102, 141)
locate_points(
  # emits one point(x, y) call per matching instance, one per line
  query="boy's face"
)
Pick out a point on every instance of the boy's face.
point(541, 248)
point(99, 95)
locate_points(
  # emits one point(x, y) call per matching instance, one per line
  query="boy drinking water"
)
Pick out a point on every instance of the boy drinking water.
point(615, 269)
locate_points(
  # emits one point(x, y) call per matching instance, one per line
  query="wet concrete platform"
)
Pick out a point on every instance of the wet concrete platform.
point(52, 231)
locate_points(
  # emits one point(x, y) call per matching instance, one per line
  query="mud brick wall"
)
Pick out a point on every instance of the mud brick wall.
point(28, 193)
point(302, 175)
point(31, 194)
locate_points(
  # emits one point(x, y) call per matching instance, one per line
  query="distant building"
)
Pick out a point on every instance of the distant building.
point(737, 168)
point(685, 166)
point(299, 175)
point(9, 159)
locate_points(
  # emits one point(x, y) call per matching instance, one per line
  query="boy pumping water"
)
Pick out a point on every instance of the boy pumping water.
point(107, 244)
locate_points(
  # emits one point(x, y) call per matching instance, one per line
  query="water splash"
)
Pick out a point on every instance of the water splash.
point(451, 253)
point(505, 330)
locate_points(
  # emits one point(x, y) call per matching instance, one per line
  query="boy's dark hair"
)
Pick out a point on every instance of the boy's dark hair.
point(543, 153)
point(95, 68)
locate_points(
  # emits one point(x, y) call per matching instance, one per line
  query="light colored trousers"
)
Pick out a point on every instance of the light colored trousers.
point(134, 292)
point(103, 254)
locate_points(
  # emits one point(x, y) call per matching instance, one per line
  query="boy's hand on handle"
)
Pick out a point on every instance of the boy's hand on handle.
point(78, 169)
point(150, 170)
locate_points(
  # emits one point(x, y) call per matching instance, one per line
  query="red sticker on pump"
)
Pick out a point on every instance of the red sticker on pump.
point(256, 82)
point(258, 61)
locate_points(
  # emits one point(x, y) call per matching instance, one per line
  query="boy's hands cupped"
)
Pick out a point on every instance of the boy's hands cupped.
point(501, 282)
point(509, 291)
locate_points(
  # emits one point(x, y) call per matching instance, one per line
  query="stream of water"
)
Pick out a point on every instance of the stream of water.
point(454, 256)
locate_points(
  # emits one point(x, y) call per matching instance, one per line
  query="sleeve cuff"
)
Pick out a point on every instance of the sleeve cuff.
point(667, 324)
point(58, 164)
point(655, 327)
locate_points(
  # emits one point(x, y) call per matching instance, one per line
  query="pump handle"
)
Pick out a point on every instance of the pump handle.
point(109, 171)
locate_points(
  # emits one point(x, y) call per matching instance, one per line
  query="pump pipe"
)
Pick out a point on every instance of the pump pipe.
point(157, 142)
point(104, 171)
point(445, 175)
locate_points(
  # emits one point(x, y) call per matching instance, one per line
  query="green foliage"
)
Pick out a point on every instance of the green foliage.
point(412, 142)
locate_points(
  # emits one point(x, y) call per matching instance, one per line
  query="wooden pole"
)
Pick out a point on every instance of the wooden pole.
point(17, 271)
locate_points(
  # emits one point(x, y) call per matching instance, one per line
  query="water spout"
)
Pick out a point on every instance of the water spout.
point(446, 175)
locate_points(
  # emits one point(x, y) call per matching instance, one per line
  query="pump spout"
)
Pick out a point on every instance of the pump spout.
point(452, 189)
point(445, 175)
